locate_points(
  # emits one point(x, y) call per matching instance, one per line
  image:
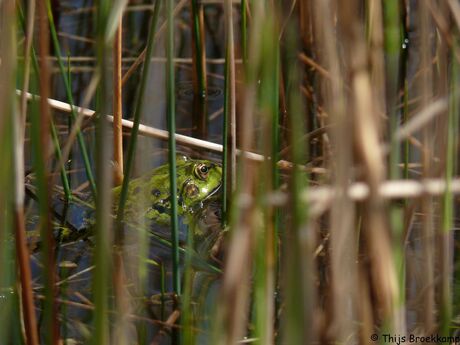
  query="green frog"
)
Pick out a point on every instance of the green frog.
point(149, 195)
point(149, 202)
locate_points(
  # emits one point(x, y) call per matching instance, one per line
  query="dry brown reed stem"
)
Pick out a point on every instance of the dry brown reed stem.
point(27, 299)
point(45, 122)
point(123, 324)
point(236, 284)
point(231, 139)
point(235, 288)
point(141, 56)
point(199, 59)
point(342, 309)
point(306, 23)
point(425, 83)
point(442, 21)
point(376, 231)
point(25, 275)
point(118, 105)
point(455, 10)
point(377, 68)
point(122, 298)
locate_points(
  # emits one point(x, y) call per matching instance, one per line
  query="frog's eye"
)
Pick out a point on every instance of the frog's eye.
point(201, 171)
point(191, 190)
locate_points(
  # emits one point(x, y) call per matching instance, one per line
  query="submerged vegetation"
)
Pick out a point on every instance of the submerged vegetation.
point(307, 196)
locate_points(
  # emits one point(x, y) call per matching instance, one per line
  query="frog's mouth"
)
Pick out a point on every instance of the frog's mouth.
point(214, 191)
point(199, 205)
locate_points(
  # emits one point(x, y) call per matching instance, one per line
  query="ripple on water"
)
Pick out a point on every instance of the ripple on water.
point(185, 90)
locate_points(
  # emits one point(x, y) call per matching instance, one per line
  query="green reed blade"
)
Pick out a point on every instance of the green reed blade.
point(244, 35)
point(8, 280)
point(299, 268)
point(103, 249)
point(392, 53)
point(199, 49)
point(392, 47)
point(406, 154)
point(266, 235)
point(275, 137)
point(448, 209)
point(187, 320)
point(11, 318)
point(171, 119)
point(68, 91)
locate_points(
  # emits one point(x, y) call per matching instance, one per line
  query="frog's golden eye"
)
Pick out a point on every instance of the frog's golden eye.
point(191, 190)
point(201, 171)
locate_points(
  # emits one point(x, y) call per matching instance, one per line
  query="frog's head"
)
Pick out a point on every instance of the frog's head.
point(198, 180)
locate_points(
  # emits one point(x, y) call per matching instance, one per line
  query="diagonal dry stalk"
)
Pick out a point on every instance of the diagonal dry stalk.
point(143, 130)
